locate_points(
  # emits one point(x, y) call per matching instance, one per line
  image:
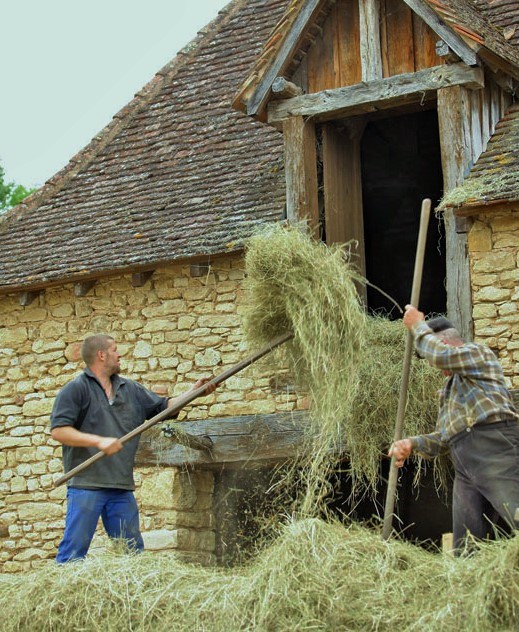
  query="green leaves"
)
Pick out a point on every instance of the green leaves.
point(11, 193)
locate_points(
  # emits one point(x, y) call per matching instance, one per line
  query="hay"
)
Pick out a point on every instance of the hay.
point(350, 364)
point(297, 285)
point(315, 576)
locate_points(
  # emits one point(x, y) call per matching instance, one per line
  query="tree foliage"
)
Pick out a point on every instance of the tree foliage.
point(11, 193)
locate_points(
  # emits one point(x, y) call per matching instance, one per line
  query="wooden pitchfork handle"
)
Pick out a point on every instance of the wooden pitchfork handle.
point(402, 400)
point(182, 401)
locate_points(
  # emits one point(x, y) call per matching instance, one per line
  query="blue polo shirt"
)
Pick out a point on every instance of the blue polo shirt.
point(83, 404)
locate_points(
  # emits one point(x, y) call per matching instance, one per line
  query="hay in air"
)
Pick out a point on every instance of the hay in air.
point(349, 363)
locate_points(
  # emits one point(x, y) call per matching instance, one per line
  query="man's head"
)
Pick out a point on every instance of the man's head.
point(101, 350)
point(445, 331)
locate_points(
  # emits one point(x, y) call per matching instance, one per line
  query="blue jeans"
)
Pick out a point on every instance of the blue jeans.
point(118, 511)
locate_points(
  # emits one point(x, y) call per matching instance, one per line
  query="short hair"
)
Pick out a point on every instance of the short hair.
point(93, 344)
point(440, 323)
point(444, 326)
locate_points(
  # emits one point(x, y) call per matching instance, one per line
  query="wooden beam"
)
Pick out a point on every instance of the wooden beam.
point(140, 278)
point(82, 288)
point(283, 89)
point(370, 54)
point(26, 298)
point(301, 171)
point(455, 42)
point(374, 95)
point(456, 155)
point(288, 47)
point(240, 441)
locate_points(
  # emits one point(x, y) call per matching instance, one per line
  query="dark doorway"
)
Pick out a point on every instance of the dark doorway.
point(401, 165)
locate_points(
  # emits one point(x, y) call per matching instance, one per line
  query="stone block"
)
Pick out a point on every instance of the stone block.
point(29, 554)
point(160, 539)
point(38, 407)
point(208, 358)
point(65, 310)
point(13, 337)
point(14, 442)
point(191, 540)
point(38, 511)
point(142, 350)
point(498, 262)
point(157, 490)
point(492, 294)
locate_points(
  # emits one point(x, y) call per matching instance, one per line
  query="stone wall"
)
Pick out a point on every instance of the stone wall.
point(494, 259)
point(173, 330)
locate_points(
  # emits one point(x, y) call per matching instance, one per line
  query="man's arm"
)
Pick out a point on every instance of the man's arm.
point(68, 435)
point(210, 389)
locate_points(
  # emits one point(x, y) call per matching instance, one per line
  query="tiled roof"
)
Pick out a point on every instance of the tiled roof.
point(482, 22)
point(176, 174)
point(503, 14)
point(492, 24)
point(494, 179)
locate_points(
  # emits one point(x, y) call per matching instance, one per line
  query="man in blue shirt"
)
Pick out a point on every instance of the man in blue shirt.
point(91, 413)
point(477, 424)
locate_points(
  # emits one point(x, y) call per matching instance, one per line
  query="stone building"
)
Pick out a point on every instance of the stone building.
point(142, 234)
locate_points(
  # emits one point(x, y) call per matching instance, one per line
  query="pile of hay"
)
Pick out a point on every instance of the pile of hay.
point(315, 576)
point(349, 363)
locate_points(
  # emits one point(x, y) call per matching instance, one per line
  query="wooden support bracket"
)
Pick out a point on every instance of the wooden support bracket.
point(83, 287)
point(140, 278)
point(26, 298)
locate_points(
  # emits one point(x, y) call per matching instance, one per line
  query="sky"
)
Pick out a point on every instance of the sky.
point(67, 66)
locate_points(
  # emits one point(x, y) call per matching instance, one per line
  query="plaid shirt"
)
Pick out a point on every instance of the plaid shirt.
point(474, 393)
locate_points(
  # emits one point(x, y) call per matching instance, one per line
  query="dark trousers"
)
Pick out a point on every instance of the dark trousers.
point(118, 511)
point(486, 482)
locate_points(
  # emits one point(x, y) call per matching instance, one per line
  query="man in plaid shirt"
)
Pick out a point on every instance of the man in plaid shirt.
point(477, 423)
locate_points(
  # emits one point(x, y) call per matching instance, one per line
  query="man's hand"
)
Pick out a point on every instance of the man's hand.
point(412, 316)
point(204, 380)
point(109, 445)
point(401, 450)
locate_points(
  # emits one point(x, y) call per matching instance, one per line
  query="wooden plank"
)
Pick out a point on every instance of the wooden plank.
point(321, 68)
point(456, 155)
point(381, 94)
point(425, 55)
point(455, 42)
point(369, 29)
point(301, 171)
point(476, 123)
point(260, 96)
point(485, 115)
point(246, 441)
point(348, 42)
point(343, 189)
point(400, 44)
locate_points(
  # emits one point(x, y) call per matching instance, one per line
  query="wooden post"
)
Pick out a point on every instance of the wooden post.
point(301, 171)
point(343, 189)
point(370, 54)
point(456, 154)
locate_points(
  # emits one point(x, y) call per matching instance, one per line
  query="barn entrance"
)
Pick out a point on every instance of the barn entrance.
point(400, 166)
